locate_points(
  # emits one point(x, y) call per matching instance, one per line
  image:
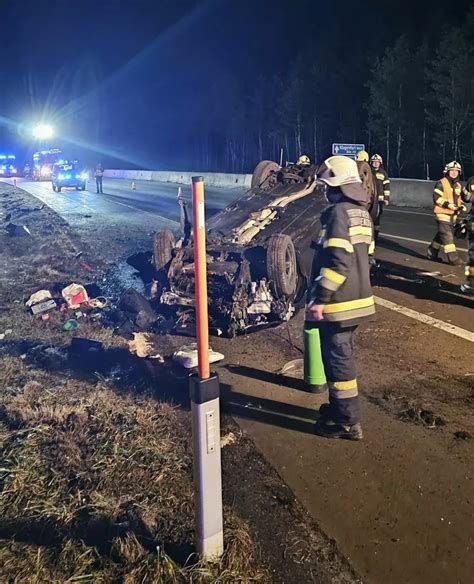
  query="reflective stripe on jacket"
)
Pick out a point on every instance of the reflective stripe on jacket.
point(341, 265)
point(447, 198)
point(383, 184)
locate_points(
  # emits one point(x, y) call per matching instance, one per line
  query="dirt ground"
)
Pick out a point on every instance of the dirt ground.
point(96, 468)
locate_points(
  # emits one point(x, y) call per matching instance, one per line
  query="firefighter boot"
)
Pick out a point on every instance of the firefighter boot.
point(329, 429)
point(453, 259)
point(325, 412)
point(432, 254)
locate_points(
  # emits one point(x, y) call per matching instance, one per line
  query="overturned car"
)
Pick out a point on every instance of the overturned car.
point(259, 252)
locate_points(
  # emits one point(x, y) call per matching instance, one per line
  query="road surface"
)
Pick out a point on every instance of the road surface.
point(400, 503)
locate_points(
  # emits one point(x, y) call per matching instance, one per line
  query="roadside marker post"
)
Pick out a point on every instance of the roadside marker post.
point(204, 395)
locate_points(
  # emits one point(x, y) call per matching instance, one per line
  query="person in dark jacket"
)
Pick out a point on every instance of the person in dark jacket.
point(382, 183)
point(447, 205)
point(468, 197)
point(99, 174)
point(340, 297)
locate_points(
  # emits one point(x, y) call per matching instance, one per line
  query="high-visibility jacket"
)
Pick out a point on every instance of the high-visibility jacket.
point(447, 198)
point(383, 184)
point(341, 265)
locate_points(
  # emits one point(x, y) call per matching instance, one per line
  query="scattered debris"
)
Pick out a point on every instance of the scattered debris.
point(74, 295)
point(71, 325)
point(187, 356)
point(38, 297)
point(17, 230)
point(228, 439)
point(462, 435)
point(419, 415)
point(43, 307)
point(135, 312)
point(99, 302)
point(5, 333)
point(295, 365)
point(145, 345)
point(83, 347)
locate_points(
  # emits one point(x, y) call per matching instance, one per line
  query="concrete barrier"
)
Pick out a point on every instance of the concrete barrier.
point(405, 192)
point(214, 179)
point(408, 192)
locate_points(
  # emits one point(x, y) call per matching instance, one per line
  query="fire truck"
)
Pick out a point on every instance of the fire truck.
point(43, 162)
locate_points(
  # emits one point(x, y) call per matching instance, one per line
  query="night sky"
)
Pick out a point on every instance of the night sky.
point(130, 82)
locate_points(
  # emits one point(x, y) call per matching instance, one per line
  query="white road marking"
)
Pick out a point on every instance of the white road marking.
point(390, 235)
point(425, 319)
point(392, 210)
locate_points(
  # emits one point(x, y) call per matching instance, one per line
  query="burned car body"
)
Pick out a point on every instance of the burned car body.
point(259, 253)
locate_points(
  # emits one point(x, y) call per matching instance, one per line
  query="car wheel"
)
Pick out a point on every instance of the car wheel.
point(58, 188)
point(82, 187)
point(282, 269)
point(163, 246)
point(262, 172)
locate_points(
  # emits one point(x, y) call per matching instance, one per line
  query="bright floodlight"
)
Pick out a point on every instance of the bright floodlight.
point(42, 131)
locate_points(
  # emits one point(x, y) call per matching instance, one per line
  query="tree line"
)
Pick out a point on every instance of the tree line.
point(413, 104)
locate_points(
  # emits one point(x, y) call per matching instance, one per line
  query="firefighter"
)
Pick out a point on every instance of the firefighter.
point(468, 197)
point(382, 183)
point(447, 204)
point(304, 160)
point(362, 156)
point(340, 296)
point(304, 168)
point(99, 173)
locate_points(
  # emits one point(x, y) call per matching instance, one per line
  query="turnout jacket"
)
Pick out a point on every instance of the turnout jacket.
point(447, 198)
point(468, 197)
point(341, 265)
point(382, 184)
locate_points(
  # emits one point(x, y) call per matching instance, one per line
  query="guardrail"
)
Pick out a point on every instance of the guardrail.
point(405, 192)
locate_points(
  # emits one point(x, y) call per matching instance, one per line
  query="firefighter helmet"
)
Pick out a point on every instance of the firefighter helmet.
point(304, 160)
point(453, 165)
point(376, 158)
point(362, 156)
point(339, 170)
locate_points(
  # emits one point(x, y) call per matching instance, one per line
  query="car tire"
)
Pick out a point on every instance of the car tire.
point(82, 187)
point(58, 188)
point(262, 172)
point(282, 269)
point(163, 246)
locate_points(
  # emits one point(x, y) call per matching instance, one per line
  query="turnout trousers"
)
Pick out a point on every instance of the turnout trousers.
point(470, 252)
point(444, 239)
point(337, 351)
point(378, 219)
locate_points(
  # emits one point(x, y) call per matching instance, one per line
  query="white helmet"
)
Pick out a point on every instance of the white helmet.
point(339, 170)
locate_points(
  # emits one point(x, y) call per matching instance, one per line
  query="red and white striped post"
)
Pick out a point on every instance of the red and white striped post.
point(204, 394)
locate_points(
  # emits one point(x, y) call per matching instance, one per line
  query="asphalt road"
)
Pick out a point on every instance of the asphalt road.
point(121, 202)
